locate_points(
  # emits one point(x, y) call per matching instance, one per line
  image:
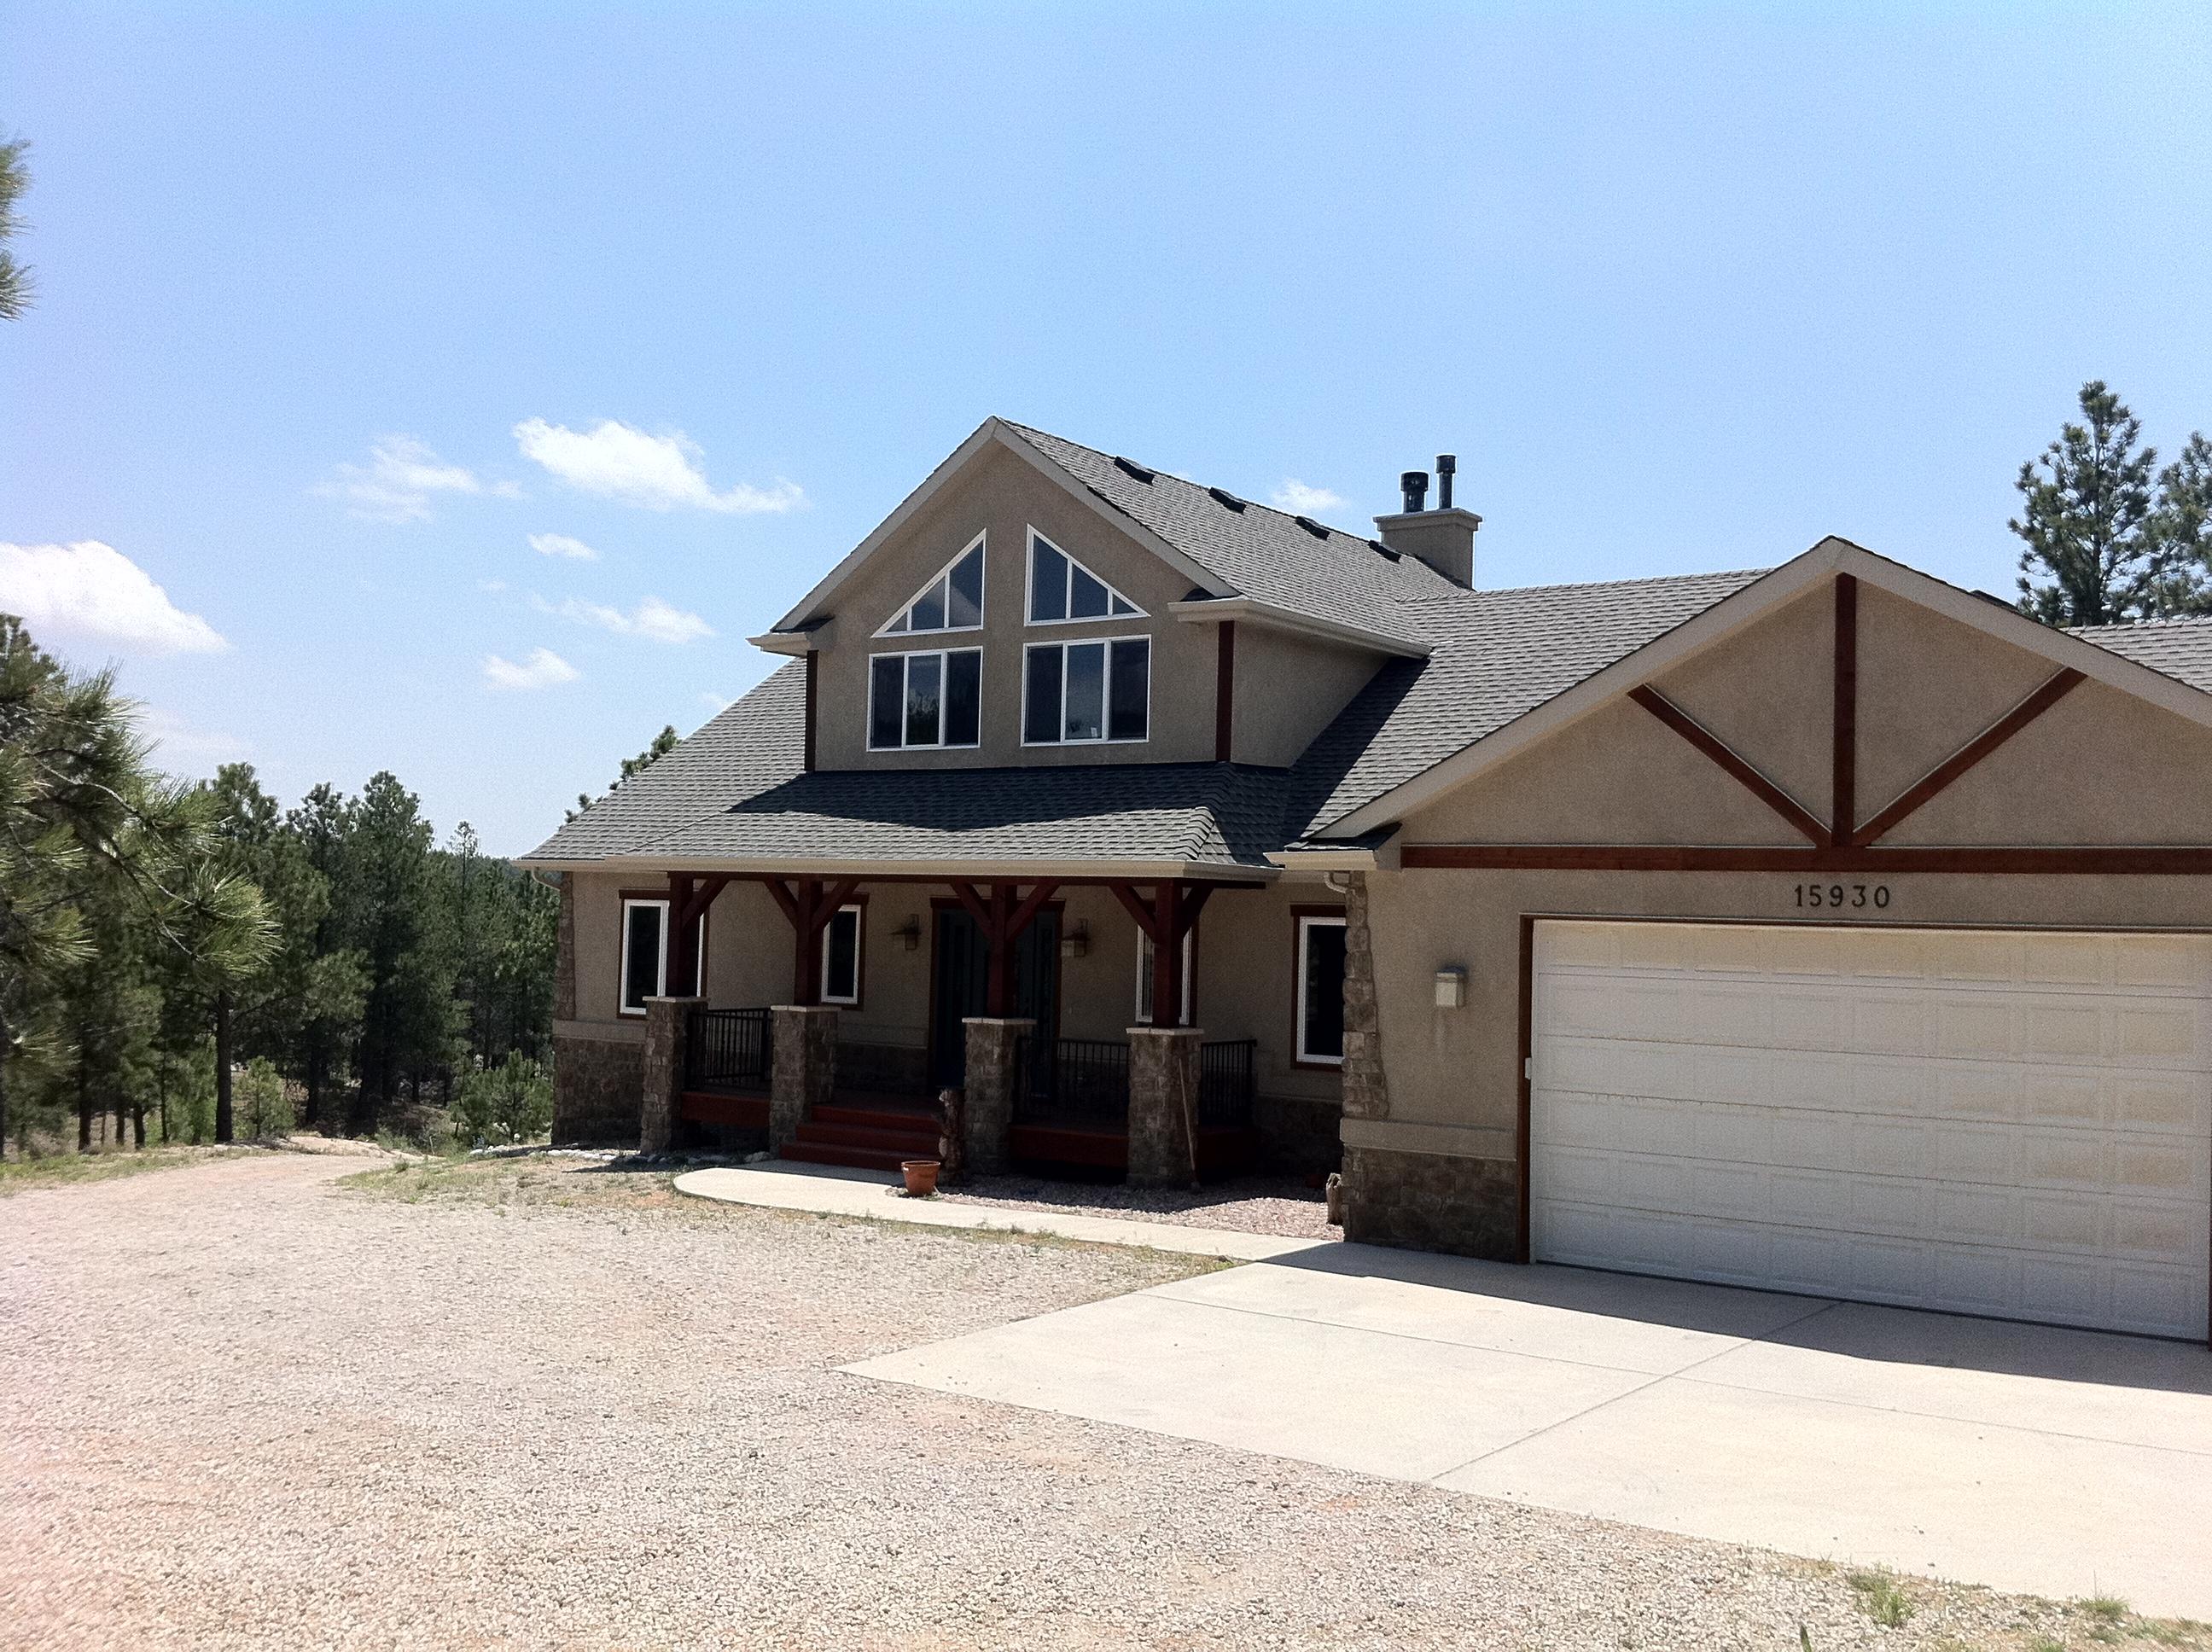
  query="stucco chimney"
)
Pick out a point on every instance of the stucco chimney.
point(1444, 538)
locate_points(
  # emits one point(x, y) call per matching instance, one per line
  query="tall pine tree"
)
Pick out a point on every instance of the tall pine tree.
point(2089, 559)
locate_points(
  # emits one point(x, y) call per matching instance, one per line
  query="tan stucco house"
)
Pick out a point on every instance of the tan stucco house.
point(1826, 928)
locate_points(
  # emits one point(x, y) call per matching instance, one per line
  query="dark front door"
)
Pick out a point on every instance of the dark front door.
point(964, 981)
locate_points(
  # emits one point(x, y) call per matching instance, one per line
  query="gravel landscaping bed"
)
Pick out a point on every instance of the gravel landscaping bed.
point(1282, 1206)
point(531, 1404)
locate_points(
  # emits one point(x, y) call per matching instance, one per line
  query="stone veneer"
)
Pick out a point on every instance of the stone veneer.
point(661, 1085)
point(596, 1085)
point(1431, 1201)
point(1366, 1091)
point(564, 968)
point(803, 1072)
point(1163, 1105)
point(988, 1103)
point(1298, 1134)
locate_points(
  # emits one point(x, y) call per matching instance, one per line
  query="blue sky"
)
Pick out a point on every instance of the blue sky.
point(1684, 288)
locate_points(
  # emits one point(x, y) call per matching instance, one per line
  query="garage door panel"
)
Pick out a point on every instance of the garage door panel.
point(2038, 1145)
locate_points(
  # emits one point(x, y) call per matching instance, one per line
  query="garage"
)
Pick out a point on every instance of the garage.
point(2008, 1123)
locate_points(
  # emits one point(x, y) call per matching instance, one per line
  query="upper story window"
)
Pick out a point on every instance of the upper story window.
point(1075, 692)
point(953, 601)
point(933, 699)
point(1061, 589)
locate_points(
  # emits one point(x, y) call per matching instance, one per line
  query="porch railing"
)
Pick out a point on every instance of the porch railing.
point(1226, 1083)
point(1082, 1081)
point(728, 1049)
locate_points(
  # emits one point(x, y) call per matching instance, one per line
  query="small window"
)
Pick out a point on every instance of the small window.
point(840, 956)
point(1062, 589)
point(1077, 693)
point(953, 601)
point(926, 700)
point(1321, 991)
point(644, 959)
point(1146, 953)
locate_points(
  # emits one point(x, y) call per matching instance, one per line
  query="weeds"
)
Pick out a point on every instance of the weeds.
point(1881, 1597)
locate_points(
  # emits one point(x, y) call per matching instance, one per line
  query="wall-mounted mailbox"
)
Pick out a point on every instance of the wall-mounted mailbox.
point(1451, 987)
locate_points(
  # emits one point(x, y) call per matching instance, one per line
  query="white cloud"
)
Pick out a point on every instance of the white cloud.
point(715, 702)
point(1298, 499)
point(653, 619)
point(180, 749)
point(93, 591)
point(493, 586)
point(616, 461)
point(540, 669)
point(397, 483)
point(559, 544)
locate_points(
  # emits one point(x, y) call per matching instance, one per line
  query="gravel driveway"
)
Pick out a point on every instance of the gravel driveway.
point(241, 1406)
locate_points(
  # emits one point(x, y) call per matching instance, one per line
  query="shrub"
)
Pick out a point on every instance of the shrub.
point(510, 1103)
point(263, 1108)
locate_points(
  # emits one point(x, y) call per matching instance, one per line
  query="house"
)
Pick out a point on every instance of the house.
point(1824, 928)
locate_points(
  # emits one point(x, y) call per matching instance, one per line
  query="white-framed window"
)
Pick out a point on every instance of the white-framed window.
point(840, 956)
point(1146, 953)
point(644, 957)
point(932, 698)
point(1074, 693)
point(1321, 990)
point(951, 601)
point(1062, 592)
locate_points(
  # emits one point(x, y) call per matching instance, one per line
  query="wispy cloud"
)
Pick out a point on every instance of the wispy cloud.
point(541, 668)
point(181, 749)
point(397, 482)
point(93, 592)
point(1295, 496)
point(559, 544)
point(715, 702)
point(618, 461)
point(653, 619)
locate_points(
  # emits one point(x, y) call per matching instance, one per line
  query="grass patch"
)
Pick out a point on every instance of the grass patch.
point(1881, 1597)
point(62, 1169)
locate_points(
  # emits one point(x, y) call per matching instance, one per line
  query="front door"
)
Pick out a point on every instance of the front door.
point(962, 983)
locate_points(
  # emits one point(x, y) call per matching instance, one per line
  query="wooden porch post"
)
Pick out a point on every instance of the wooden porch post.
point(1167, 955)
point(809, 903)
point(680, 962)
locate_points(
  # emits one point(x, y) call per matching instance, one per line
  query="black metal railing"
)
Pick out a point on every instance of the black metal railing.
point(1226, 1083)
point(1083, 1081)
point(728, 1049)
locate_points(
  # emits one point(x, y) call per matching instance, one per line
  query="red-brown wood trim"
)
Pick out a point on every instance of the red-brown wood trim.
point(813, 701)
point(1192, 902)
point(1225, 690)
point(2180, 861)
point(1025, 913)
point(702, 896)
point(2049, 693)
point(784, 898)
point(1800, 817)
point(1290, 1043)
point(972, 898)
point(1167, 954)
point(677, 973)
point(1126, 895)
point(1844, 788)
point(1523, 1250)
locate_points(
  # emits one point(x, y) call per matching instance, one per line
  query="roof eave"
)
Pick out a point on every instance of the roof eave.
point(1251, 609)
point(1024, 871)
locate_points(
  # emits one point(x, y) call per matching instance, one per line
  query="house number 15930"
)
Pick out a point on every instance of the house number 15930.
point(1843, 895)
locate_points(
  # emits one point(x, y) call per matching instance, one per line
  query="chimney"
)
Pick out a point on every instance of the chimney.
point(1443, 537)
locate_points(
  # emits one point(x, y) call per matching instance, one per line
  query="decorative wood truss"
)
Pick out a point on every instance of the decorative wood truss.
point(1842, 843)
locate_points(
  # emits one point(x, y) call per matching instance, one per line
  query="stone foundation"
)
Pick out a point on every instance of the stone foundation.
point(1430, 1201)
point(987, 1102)
point(803, 1073)
point(1163, 1105)
point(1298, 1135)
point(596, 1084)
point(661, 1088)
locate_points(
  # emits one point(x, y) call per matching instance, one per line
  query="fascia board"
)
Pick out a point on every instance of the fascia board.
point(1249, 609)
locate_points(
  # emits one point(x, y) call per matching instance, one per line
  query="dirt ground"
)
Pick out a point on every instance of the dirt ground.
point(545, 1403)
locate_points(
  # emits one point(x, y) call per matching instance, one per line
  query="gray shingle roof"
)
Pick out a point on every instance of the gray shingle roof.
point(2182, 648)
point(1497, 654)
point(1263, 553)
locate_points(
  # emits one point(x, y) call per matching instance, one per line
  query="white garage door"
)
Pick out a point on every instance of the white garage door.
point(1984, 1121)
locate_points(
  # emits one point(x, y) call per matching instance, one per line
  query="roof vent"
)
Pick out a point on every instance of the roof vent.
point(1414, 484)
point(1447, 466)
point(1383, 551)
point(1130, 467)
point(1311, 526)
point(1222, 496)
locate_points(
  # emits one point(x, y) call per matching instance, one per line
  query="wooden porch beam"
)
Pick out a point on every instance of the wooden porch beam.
point(1800, 817)
point(1126, 895)
point(2049, 693)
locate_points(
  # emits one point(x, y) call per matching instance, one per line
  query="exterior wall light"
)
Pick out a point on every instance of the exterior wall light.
point(1451, 987)
point(1076, 944)
point(909, 934)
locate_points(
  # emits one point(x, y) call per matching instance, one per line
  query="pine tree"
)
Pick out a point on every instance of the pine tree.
point(2180, 530)
point(15, 183)
point(2089, 556)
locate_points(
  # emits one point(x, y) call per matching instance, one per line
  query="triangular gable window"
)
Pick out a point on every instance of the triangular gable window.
point(1061, 588)
point(953, 601)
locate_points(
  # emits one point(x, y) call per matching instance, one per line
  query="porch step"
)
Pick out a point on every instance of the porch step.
point(874, 1115)
point(915, 1143)
point(857, 1158)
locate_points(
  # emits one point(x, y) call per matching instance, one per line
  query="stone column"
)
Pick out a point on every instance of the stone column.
point(668, 1020)
point(1163, 1106)
point(991, 1076)
point(803, 1073)
point(1366, 1091)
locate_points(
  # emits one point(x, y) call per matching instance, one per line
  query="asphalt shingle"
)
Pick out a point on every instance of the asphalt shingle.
point(2182, 648)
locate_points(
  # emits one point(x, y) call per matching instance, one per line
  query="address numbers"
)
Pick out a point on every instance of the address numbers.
point(1875, 895)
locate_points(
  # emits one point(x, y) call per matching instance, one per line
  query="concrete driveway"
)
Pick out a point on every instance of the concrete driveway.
point(2054, 1463)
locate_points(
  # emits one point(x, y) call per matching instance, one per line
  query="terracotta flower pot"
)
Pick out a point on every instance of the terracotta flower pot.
point(920, 1177)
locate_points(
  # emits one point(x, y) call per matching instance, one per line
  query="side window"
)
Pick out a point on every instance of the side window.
point(840, 956)
point(1321, 990)
point(926, 700)
point(1062, 589)
point(1146, 952)
point(1079, 692)
point(953, 601)
point(644, 955)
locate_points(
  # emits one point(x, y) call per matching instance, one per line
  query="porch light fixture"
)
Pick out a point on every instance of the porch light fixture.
point(909, 934)
point(1451, 987)
point(1076, 943)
